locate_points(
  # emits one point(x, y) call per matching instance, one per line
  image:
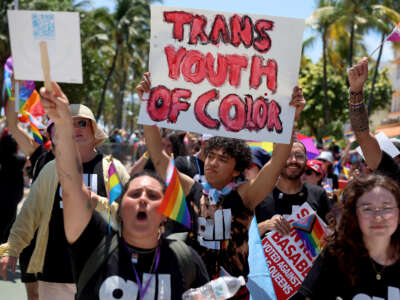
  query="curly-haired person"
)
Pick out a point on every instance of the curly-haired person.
point(362, 257)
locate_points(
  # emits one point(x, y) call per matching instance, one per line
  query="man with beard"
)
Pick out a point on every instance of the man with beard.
point(288, 192)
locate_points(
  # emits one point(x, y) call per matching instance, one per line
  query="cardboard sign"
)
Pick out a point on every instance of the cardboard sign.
point(287, 257)
point(59, 30)
point(223, 73)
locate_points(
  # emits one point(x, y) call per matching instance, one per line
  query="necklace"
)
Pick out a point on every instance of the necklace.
point(378, 274)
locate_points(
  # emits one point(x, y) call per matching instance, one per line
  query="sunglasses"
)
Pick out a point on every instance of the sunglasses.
point(81, 124)
point(309, 172)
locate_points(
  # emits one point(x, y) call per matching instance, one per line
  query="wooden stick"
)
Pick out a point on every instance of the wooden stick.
point(44, 57)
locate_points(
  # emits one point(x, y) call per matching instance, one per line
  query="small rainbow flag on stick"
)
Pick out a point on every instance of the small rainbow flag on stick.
point(35, 130)
point(173, 204)
point(114, 184)
point(395, 35)
point(311, 232)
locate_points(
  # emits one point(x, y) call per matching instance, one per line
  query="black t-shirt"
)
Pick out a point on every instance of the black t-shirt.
point(389, 167)
point(326, 281)
point(39, 158)
point(116, 279)
point(278, 203)
point(220, 231)
point(191, 166)
point(57, 263)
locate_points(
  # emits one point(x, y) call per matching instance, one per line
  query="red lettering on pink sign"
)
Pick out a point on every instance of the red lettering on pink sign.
point(216, 78)
point(179, 18)
point(242, 31)
point(197, 30)
point(174, 60)
point(274, 110)
point(270, 70)
point(193, 67)
point(263, 42)
point(237, 122)
point(236, 64)
point(177, 105)
point(219, 28)
point(200, 109)
point(159, 103)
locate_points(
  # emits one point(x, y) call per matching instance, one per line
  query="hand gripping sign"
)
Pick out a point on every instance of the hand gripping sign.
point(290, 257)
point(223, 73)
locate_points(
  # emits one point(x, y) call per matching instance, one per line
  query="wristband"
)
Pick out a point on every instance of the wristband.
point(356, 98)
point(146, 155)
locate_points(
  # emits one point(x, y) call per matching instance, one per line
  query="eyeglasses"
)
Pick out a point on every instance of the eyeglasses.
point(309, 172)
point(386, 212)
point(298, 156)
point(81, 124)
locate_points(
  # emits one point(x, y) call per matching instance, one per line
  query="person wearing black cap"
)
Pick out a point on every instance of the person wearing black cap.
point(290, 191)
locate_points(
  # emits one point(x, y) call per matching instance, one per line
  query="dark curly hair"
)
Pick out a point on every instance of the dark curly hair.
point(237, 149)
point(346, 243)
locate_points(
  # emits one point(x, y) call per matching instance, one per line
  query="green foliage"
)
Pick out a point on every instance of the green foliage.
point(312, 120)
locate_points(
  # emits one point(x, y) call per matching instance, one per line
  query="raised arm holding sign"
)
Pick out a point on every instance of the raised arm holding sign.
point(222, 73)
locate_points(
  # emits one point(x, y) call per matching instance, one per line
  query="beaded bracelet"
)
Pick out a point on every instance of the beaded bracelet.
point(356, 105)
point(356, 98)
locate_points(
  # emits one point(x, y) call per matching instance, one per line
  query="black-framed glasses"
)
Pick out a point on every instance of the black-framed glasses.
point(81, 123)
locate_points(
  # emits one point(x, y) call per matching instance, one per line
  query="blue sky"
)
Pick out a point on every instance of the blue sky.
point(284, 8)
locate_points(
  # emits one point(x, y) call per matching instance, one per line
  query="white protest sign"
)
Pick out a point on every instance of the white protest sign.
point(60, 31)
point(223, 73)
point(385, 144)
point(288, 259)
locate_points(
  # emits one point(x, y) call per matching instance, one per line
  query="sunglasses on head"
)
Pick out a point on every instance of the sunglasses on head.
point(81, 123)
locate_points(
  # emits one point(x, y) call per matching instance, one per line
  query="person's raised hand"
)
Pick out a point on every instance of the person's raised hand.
point(298, 101)
point(358, 74)
point(144, 85)
point(5, 263)
point(55, 103)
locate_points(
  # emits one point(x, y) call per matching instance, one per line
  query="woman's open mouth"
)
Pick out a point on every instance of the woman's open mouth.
point(141, 216)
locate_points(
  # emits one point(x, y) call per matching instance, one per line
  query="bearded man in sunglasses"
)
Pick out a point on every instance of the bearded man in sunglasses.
point(290, 191)
point(43, 211)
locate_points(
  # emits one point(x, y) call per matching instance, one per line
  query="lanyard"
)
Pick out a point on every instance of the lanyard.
point(142, 291)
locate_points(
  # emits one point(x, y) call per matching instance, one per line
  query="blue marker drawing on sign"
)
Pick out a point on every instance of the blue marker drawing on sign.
point(44, 27)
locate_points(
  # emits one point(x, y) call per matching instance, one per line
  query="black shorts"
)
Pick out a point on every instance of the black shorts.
point(24, 259)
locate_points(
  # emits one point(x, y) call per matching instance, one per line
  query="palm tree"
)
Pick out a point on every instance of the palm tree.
point(383, 19)
point(129, 28)
point(321, 20)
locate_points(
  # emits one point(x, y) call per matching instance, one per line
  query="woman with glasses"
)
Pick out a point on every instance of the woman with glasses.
point(362, 256)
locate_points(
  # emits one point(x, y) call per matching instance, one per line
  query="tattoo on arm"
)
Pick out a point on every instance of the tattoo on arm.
point(359, 118)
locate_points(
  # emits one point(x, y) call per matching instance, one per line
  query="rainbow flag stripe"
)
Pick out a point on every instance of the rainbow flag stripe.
point(114, 184)
point(173, 204)
point(36, 134)
point(311, 233)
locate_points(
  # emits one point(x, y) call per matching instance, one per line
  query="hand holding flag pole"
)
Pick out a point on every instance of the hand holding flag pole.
point(394, 36)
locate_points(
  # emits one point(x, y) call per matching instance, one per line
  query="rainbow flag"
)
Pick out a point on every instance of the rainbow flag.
point(395, 35)
point(114, 184)
point(348, 134)
point(311, 232)
point(173, 204)
point(267, 146)
point(328, 139)
point(35, 132)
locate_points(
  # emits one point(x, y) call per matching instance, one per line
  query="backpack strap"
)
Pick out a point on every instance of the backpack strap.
point(185, 261)
point(99, 255)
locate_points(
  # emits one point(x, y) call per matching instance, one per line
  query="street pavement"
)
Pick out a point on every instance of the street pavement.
point(13, 288)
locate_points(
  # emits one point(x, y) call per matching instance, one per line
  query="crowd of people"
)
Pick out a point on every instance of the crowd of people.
point(72, 243)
